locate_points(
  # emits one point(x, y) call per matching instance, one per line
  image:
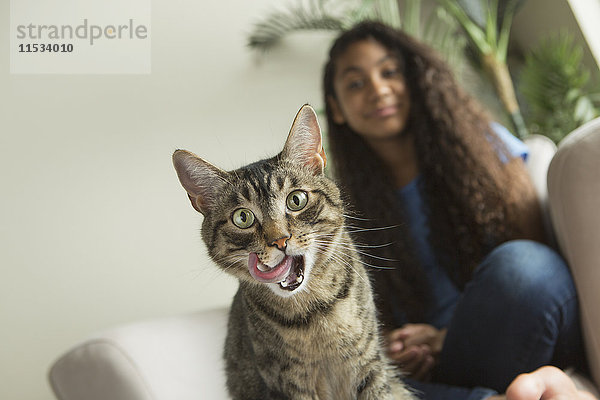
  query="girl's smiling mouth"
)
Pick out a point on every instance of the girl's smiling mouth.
point(386, 111)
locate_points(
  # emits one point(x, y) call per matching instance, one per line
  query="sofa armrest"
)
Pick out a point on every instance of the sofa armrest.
point(541, 152)
point(574, 190)
point(176, 358)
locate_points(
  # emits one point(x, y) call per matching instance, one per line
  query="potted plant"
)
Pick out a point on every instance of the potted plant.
point(556, 87)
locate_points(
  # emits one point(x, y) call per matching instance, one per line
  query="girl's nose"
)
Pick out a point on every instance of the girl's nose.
point(379, 87)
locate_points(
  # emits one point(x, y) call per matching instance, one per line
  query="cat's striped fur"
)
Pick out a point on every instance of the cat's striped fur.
point(302, 324)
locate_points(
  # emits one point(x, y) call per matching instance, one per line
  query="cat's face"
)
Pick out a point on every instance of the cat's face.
point(271, 222)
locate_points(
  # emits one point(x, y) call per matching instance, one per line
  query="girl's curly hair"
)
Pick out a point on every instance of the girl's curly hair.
point(475, 201)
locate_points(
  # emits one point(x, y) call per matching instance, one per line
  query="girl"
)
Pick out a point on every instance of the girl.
point(469, 296)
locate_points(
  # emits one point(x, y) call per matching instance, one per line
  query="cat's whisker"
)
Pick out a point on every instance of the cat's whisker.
point(341, 257)
point(229, 258)
point(226, 181)
point(376, 257)
point(366, 264)
point(355, 229)
point(357, 218)
point(338, 257)
point(357, 244)
point(373, 246)
point(372, 256)
point(235, 173)
point(350, 246)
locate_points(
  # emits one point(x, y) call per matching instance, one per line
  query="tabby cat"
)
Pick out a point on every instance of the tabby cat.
point(302, 324)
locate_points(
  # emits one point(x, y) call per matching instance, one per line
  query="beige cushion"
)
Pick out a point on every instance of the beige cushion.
point(574, 201)
point(176, 358)
point(541, 151)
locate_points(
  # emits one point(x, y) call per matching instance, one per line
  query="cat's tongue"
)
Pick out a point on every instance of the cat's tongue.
point(266, 274)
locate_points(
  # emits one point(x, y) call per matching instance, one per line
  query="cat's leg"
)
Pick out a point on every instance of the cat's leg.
point(289, 396)
point(401, 392)
point(244, 382)
point(291, 386)
point(383, 384)
point(393, 391)
point(249, 385)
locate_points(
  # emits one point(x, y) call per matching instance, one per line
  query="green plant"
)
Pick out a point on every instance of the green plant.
point(556, 87)
point(438, 29)
point(488, 31)
point(316, 15)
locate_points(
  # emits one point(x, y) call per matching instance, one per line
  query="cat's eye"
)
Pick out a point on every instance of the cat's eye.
point(297, 200)
point(243, 218)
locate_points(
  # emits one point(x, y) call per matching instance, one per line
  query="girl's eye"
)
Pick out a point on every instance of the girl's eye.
point(243, 218)
point(297, 200)
point(390, 73)
point(356, 84)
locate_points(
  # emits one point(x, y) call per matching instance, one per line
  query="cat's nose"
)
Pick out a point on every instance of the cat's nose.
point(281, 243)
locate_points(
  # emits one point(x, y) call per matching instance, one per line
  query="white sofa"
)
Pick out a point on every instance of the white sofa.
point(179, 358)
point(176, 358)
point(574, 200)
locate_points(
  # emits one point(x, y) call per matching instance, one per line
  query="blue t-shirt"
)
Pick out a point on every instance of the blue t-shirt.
point(443, 291)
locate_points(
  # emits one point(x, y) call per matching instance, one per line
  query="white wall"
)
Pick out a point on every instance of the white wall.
point(537, 19)
point(95, 229)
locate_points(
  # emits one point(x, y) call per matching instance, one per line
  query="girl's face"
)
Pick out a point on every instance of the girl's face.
point(371, 93)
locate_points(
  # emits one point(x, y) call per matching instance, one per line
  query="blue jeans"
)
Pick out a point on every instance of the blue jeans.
point(519, 312)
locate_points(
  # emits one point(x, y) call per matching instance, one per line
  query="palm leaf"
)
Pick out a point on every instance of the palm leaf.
point(491, 23)
point(475, 33)
point(554, 84)
point(504, 34)
point(300, 17)
point(412, 18)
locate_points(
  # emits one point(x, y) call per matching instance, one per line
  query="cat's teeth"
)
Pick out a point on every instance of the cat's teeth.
point(284, 283)
point(299, 279)
point(262, 267)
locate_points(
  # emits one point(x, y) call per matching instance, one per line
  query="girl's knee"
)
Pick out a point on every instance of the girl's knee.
point(523, 267)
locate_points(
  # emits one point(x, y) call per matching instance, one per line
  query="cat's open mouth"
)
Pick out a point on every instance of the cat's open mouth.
point(296, 275)
point(289, 273)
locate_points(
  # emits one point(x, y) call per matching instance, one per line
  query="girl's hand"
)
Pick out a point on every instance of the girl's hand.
point(415, 348)
point(546, 383)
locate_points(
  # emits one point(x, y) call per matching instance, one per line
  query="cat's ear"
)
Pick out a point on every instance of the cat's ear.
point(304, 144)
point(200, 179)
